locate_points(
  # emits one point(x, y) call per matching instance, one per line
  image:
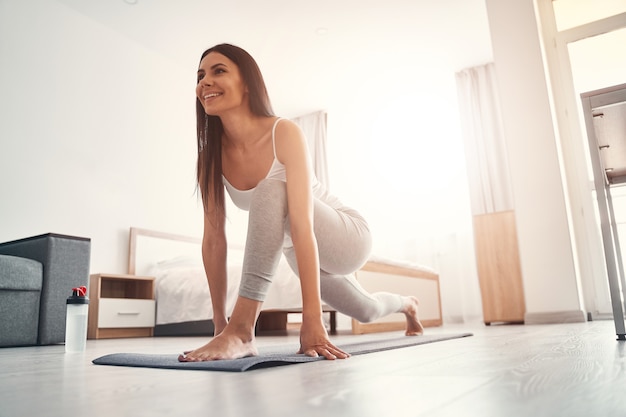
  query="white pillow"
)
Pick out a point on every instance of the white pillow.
point(180, 262)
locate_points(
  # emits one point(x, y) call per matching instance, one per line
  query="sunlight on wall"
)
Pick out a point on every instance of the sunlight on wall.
point(417, 177)
point(418, 160)
point(411, 145)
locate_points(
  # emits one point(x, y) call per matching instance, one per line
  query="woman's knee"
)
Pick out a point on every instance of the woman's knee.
point(344, 243)
point(367, 313)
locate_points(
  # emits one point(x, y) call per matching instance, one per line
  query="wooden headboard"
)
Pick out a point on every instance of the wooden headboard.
point(146, 247)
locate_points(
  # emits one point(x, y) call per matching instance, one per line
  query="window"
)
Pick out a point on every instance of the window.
point(572, 13)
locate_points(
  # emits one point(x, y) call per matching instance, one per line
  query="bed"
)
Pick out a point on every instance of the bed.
point(183, 303)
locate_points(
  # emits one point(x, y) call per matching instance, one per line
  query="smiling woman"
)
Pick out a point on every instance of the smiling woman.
point(263, 163)
point(224, 69)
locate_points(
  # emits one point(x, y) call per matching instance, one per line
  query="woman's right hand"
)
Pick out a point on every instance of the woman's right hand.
point(314, 341)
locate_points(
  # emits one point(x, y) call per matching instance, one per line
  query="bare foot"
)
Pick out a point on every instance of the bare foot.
point(413, 325)
point(223, 346)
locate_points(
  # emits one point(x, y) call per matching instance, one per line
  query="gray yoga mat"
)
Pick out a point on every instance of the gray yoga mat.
point(269, 356)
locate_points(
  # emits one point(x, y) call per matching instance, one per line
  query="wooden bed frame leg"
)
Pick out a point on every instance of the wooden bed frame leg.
point(272, 321)
point(277, 320)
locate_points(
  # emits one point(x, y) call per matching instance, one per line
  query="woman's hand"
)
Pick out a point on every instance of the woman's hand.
point(314, 341)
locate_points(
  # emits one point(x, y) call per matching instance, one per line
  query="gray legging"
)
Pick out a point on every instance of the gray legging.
point(344, 244)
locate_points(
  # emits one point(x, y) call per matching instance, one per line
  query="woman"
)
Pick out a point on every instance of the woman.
point(262, 161)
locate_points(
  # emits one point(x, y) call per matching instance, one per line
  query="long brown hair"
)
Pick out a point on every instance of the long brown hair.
point(210, 128)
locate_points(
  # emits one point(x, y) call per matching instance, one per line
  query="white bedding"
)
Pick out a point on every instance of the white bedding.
point(182, 291)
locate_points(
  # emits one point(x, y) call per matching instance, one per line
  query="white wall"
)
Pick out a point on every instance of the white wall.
point(96, 133)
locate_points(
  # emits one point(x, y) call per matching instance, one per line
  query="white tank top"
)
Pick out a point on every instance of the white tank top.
point(277, 171)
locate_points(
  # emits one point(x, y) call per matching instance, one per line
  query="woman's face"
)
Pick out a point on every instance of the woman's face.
point(220, 85)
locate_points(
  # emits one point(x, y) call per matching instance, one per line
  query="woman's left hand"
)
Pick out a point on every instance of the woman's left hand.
point(314, 341)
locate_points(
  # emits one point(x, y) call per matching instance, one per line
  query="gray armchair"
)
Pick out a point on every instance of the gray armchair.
point(37, 275)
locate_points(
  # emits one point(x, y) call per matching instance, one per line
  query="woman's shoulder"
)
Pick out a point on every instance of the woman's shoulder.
point(288, 139)
point(285, 128)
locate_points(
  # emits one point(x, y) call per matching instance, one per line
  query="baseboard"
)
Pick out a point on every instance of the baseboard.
point(601, 316)
point(555, 317)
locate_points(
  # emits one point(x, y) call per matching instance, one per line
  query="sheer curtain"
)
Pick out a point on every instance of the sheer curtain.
point(314, 127)
point(491, 197)
point(483, 134)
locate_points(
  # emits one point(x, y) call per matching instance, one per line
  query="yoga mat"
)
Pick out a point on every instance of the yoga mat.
point(269, 356)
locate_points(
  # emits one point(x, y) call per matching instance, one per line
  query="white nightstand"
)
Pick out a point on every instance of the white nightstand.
point(121, 306)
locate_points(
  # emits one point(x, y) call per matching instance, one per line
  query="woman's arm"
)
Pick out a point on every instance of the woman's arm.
point(214, 259)
point(292, 152)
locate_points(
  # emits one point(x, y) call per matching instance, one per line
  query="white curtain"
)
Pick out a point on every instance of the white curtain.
point(314, 127)
point(483, 134)
point(490, 193)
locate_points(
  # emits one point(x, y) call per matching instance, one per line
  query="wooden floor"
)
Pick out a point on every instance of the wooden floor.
point(509, 370)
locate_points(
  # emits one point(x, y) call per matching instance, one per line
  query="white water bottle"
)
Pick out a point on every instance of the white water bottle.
point(76, 320)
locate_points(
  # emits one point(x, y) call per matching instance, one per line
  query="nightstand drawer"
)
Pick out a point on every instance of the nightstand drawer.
point(124, 312)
